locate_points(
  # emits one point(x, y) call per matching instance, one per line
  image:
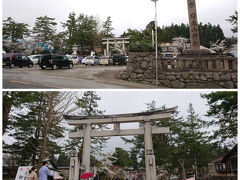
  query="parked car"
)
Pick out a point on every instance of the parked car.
point(119, 59)
point(55, 61)
point(15, 59)
point(80, 59)
point(105, 60)
point(92, 60)
point(84, 60)
point(35, 58)
point(75, 59)
point(69, 57)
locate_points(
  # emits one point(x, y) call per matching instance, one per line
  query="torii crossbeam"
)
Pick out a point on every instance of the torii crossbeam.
point(147, 131)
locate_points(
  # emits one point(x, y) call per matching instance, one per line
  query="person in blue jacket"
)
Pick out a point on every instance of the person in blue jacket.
point(44, 171)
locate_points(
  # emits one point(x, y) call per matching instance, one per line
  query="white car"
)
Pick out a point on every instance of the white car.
point(92, 60)
point(105, 60)
point(35, 58)
point(84, 60)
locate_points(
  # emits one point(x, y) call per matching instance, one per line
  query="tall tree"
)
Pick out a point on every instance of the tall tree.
point(233, 19)
point(107, 27)
point(56, 105)
point(14, 31)
point(71, 26)
point(87, 106)
point(37, 125)
point(223, 109)
point(44, 29)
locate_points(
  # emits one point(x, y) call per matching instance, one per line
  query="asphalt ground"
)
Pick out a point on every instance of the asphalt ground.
point(80, 77)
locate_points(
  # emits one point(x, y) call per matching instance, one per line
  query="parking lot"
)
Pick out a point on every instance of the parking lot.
point(80, 77)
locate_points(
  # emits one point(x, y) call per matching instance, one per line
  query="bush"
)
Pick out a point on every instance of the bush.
point(141, 46)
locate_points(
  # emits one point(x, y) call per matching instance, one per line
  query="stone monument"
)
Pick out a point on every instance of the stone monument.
point(194, 32)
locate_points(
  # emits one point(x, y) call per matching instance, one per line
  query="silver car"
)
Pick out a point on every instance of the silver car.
point(35, 58)
point(92, 60)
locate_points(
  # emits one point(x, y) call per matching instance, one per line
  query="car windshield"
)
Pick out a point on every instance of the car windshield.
point(36, 57)
point(24, 57)
point(90, 57)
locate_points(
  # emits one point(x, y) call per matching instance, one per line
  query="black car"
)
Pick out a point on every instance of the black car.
point(119, 59)
point(54, 61)
point(16, 59)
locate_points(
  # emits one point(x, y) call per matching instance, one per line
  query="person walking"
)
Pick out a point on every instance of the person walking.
point(118, 178)
point(44, 171)
point(32, 174)
point(89, 178)
point(96, 177)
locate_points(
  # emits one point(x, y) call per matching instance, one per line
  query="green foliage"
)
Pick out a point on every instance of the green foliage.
point(87, 106)
point(44, 29)
point(107, 28)
point(208, 33)
point(14, 31)
point(223, 110)
point(36, 118)
point(140, 46)
point(233, 19)
point(186, 140)
point(58, 41)
point(122, 156)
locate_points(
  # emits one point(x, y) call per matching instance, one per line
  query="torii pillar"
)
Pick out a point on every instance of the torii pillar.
point(87, 148)
point(193, 25)
point(149, 153)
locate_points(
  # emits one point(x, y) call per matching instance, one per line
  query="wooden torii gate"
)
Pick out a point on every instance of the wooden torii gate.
point(147, 130)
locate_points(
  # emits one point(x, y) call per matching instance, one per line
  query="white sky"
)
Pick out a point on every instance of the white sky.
point(125, 13)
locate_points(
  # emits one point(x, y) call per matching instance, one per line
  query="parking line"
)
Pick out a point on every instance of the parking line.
point(20, 82)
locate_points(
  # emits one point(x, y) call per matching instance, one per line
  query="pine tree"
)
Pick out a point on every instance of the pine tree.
point(14, 31)
point(44, 29)
point(107, 28)
point(87, 106)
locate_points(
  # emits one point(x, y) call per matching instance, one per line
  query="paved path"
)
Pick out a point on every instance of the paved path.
point(80, 77)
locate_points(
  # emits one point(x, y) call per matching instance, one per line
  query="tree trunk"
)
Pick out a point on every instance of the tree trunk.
point(44, 145)
point(182, 173)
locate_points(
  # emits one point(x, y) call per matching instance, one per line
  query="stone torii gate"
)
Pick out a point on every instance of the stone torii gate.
point(116, 41)
point(147, 130)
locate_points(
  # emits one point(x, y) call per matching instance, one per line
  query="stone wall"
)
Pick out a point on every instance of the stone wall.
point(183, 72)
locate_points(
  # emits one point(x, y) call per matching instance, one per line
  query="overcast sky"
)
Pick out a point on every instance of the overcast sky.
point(125, 13)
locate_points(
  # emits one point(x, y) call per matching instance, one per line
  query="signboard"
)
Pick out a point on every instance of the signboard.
point(22, 172)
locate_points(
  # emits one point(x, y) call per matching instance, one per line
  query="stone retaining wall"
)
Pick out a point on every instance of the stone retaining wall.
point(183, 73)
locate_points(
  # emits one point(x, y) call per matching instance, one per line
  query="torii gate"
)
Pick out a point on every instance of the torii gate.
point(115, 41)
point(147, 131)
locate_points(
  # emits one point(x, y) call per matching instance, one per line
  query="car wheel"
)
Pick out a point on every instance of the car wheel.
point(70, 66)
point(30, 65)
point(11, 66)
point(54, 67)
point(43, 67)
